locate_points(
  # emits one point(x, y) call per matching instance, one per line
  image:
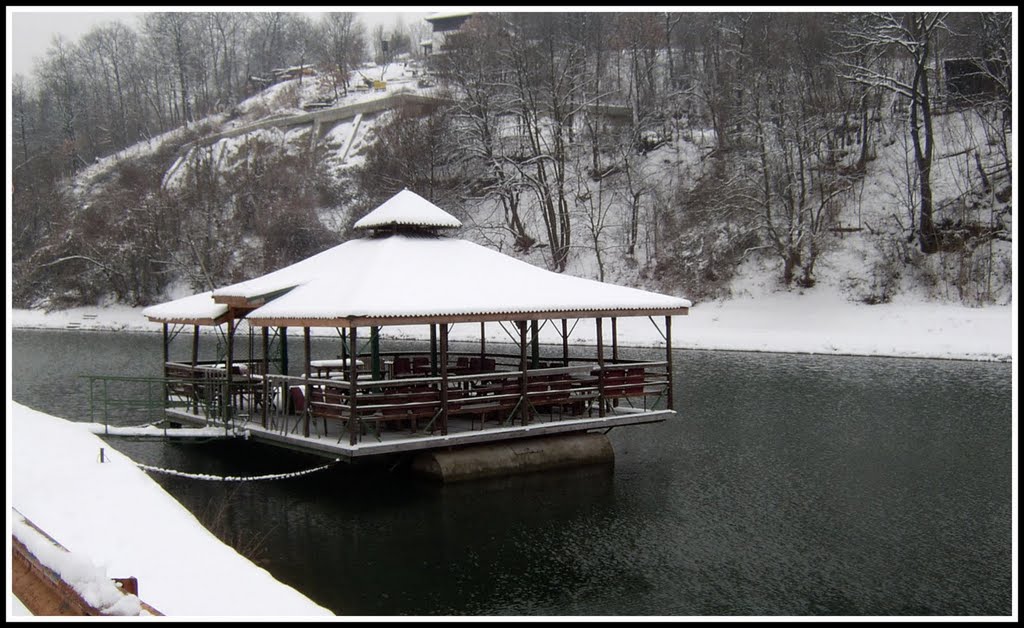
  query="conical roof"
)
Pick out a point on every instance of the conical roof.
point(408, 209)
point(403, 279)
point(415, 277)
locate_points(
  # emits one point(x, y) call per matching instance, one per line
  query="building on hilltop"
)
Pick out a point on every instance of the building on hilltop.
point(443, 25)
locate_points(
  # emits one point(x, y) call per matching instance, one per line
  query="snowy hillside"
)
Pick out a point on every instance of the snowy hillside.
point(673, 202)
point(856, 266)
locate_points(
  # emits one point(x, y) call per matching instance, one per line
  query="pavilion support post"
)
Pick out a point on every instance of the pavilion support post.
point(433, 350)
point(615, 339)
point(565, 342)
point(194, 402)
point(353, 378)
point(534, 344)
point(230, 366)
point(309, 386)
point(483, 339)
point(265, 336)
point(344, 344)
point(375, 351)
point(444, 379)
point(668, 359)
point(600, 367)
point(265, 347)
point(283, 331)
point(524, 402)
point(167, 391)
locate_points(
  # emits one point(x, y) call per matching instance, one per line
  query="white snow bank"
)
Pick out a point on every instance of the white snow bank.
point(827, 323)
point(84, 577)
point(115, 514)
point(782, 322)
point(152, 430)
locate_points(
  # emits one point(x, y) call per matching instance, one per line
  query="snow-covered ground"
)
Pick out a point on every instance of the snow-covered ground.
point(117, 522)
point(814, 322)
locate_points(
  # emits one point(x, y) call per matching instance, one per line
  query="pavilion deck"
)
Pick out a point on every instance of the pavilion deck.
point(407, 410)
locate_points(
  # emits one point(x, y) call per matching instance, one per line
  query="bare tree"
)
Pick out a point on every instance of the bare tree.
point(112, 48)
point(909, 36)
point(546, 58)
point(477, 85)
point(171, 34)
point(61, 80)
point(342, 47)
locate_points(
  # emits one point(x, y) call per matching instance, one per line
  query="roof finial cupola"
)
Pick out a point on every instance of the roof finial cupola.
point(407, 213)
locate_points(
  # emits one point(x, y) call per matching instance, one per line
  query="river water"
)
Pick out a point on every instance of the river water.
point(787, 485)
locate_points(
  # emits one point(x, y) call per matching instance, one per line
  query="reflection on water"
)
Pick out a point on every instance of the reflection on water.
point(788, 485)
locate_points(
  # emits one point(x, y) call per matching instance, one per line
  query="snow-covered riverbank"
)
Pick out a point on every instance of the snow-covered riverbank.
point(776, 322)
point(113, 516)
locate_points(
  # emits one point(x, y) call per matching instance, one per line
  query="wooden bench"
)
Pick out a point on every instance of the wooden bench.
point(398, 403)
point(326, 401)
point(555, 394)
point(623, 383)
point(382, 409)
point(497, 403)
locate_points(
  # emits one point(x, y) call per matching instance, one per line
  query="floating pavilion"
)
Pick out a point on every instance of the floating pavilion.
point(365, 401)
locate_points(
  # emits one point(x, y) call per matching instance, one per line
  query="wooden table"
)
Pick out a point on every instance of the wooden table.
point(324, 367)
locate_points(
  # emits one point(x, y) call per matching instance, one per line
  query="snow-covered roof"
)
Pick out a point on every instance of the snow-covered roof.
point(197, 309)
point(403, 209)
point(405, 278)
point(408, 209)
point(449, 14)
point(283, 279)
point(412, 277)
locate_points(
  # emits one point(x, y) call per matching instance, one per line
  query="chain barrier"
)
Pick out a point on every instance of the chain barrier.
point(229, 478)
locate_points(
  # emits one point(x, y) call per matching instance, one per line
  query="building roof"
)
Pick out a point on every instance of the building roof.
point(413, 277)
point(418, 279)
point(197, 309)
point(408, 209)
point(448, 14)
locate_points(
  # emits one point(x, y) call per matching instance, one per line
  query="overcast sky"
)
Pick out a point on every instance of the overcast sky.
point(32, 28)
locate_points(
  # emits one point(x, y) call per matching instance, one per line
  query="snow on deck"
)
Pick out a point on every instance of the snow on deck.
point(85, 578)
point(127, 525)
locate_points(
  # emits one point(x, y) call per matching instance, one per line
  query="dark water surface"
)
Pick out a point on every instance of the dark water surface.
point(788, 485)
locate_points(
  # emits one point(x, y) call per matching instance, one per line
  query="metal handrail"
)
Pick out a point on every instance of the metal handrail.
point(150, 401)
point(268, 397)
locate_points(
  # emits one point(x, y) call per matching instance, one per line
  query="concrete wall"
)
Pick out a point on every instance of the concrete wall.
point(517, 456)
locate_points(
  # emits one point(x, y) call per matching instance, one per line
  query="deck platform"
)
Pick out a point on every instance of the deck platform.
point(410, 410)
point(328, 437)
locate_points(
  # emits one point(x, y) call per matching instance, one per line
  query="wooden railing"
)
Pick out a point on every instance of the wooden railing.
point(302, 405)
point(204, 389)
